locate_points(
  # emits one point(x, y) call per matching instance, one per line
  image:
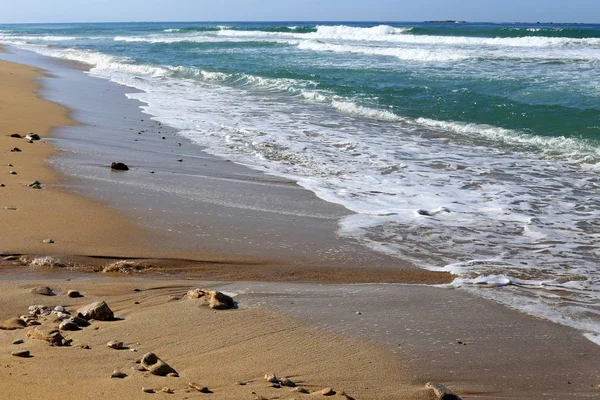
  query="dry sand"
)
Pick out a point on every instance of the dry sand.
point(213, 348)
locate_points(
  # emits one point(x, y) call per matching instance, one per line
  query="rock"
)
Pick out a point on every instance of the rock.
point(35, 185)
point(20, 353)
point(441, 392)
point(2, 185)
point(113, 344)
point(16, 135)
point(119, 166)
point(300, 390)
point(33, 136)
point(12, 323)
point(347, 397)
point(173, 375)
point(15, 150)
point(85, 347)
point(147, 390)
point(68, 325)
point(200, 388)
point(271, 378)
point(155, 365)
point(327, 392)
point(48, 241)
point(215, 300)
point(42, 290)
point(287, 382)
point(13, 172)
point(98, 310)
point(166, 390)
point(38, 310)
point(137, 290)
point(49, 334)
point(118, 374)
point(60, 309)
point(73, 294)
point(11, 258)
point(18, 341)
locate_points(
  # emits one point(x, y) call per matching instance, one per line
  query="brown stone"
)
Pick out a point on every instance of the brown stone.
point(155, 365)
point(12, 323)
point(49, 334)
point(441, 392)
point(42, 290)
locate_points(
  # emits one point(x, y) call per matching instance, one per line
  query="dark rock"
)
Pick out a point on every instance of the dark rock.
point(15, 150)
point(119, 166)
point(118, 374)
point(33, 136)
point(73, 294)
point(18, 341)
point(16, 135)
point(48, 241)
point(155, 365)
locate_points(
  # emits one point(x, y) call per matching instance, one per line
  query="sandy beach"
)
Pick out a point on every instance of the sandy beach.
point(318, 336)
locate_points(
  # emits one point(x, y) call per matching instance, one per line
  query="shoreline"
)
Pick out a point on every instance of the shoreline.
point(296, 272)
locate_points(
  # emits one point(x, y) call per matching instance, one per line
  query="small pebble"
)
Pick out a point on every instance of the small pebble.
point(18, 341)
point(74, 293)
point(118, 374)
point(113, 344)
point(20, 353)
point(85, 347)
point(358, 313)
point(271, 378)
point(12, 172)
point(287, 382)
point(137, 290)
point(60, 309)
point(166, 390)
point(300, 390)
point(200, 388)
point(48, 241)
point(147, 390)
point(327, 392)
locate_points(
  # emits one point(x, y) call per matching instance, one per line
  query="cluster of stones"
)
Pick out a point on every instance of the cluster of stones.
point(276, 382)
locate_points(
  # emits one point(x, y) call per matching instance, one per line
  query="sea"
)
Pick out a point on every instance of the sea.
point(472, 148)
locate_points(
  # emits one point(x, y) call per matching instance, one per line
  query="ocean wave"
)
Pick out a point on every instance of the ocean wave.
point(405, 54)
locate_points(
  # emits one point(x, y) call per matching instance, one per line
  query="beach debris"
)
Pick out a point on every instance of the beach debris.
point(12, 324)
point(216, 300)
point(49, 334)
point(68, 325)
point(166, 390)
point(48, 241)
point(124, 267)
point(15, 150)
point(155, 365)
point(441, 392)
point(16, 135)
point(271, 378)
point(113, 344)
point(33, 136)
point(44, 262)
point(21, 353)
point(200, 388)
point(118, 374)
point(300, 389)
point(327, 392)
point(147, 390)
point(119, 166)
point(35, 185)
point(73, 293)
point(98, 310)
point(18, 341)
point(12, 172)
point(42, 290)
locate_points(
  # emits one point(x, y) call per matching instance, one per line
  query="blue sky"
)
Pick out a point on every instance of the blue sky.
point(298, 10)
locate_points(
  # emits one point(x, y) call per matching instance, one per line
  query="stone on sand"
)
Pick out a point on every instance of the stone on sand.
point(20, 353)
point(441, 392)
point(155, 365)
point(118, 374)
point(287, 382)
point(147, 390)
point(42, 290)
point(198, 387)
point(12, 323)
point(215, 300)
point(327, 392)
point(33, 136)
point(49, 334)
point(18, 341)
point(119, 166)
point(113, 344)
point(98, 311)
point(300, 389)
point(73, 293)
point(68, 325)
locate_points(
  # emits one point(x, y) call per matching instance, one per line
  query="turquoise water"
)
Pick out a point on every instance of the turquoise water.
point(470, 148)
